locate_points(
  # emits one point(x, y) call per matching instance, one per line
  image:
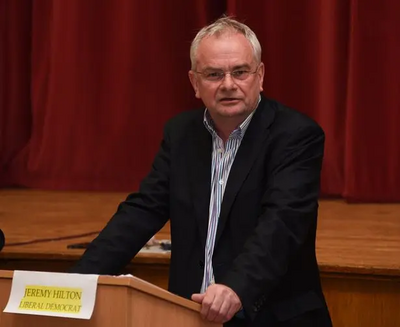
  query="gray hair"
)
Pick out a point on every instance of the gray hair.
point(223, 25)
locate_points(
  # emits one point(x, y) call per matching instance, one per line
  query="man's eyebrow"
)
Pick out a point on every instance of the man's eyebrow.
point(212, 68)
point(237, 67)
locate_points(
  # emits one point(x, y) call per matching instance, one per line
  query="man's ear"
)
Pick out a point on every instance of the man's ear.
point(261, 71)
point(195, 83)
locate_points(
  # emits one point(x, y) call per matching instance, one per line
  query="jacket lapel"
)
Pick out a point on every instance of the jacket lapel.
point(246, 155)
point(200, 175)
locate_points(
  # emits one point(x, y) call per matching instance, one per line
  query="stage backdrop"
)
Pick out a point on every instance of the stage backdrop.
point(86, 86)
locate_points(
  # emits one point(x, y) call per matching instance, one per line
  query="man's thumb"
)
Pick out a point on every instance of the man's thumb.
point(198, 297)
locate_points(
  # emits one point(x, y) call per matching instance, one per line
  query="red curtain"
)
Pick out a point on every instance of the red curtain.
point(86, 86)
point(105, 76)
point(338, 61)
point(15, 105)
point(372, 146)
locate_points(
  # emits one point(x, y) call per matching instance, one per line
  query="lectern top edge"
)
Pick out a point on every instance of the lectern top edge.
point(135, 283)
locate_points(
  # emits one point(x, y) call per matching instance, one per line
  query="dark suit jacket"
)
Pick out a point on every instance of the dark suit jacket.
point(265, 243)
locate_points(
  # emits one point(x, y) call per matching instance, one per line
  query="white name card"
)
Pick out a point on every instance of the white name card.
point(52, 294)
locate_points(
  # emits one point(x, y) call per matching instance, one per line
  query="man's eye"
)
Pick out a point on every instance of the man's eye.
point(213, 75)
point(239, 73)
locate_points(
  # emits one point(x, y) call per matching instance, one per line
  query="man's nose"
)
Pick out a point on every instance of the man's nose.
point(228, 81)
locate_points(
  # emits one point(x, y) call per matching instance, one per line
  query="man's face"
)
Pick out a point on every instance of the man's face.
point(231, 96)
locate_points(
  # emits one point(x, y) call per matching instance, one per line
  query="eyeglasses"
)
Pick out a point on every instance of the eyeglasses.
point(217, 76)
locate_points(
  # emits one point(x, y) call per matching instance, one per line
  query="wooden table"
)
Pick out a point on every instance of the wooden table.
point(358, 248)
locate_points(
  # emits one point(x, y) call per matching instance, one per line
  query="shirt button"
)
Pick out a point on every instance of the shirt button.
point(221, 182)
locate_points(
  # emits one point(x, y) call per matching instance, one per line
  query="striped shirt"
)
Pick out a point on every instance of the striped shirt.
point(222, 160)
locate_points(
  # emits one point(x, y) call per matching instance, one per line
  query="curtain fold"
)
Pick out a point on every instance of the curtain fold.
point(372, 145)
point(15, 70)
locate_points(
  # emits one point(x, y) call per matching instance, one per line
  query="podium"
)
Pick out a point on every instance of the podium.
point(120, 302)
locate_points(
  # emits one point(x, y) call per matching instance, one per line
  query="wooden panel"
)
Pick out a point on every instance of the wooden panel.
point(358, 248)
point(359, 238)
point(103, 315)
point(358, 302)
point(166, 314)
point(120, 302)
point(50, 221)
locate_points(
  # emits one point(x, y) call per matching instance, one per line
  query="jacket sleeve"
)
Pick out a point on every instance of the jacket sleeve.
point(290, 205)
point(137, 219)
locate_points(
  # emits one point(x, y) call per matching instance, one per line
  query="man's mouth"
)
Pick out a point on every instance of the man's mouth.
point(228, 99)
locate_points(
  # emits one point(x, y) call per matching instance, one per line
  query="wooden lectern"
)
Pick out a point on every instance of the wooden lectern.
point(120, 302)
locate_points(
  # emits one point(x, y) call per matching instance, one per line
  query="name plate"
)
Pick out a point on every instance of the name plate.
point(52, 294)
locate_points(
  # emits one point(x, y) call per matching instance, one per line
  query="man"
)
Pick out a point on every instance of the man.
point(239, 182)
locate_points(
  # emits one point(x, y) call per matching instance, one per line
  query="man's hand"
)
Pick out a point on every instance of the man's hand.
point(218, 304)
